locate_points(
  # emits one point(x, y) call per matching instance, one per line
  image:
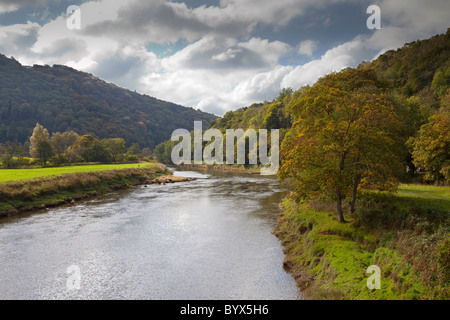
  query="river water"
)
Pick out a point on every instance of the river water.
point(206, 239)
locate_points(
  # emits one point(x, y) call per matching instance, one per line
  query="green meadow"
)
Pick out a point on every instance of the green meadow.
point(7, 175)
point(29, 189)
point(425, 191)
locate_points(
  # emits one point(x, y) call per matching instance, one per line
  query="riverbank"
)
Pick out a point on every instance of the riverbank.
point(52, 191)
point(8, 175)
point(407, 238)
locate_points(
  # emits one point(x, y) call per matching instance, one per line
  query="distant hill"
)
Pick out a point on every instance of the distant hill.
point(61, 98)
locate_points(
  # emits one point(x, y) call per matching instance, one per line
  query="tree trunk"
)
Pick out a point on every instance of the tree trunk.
point(339, 211)
point(356, 181)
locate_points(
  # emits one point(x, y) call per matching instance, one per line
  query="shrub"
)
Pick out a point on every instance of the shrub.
point(26, 162)
point(131, 158)
point(57, 160)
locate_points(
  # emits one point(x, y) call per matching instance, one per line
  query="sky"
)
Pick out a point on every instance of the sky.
point(213, 55)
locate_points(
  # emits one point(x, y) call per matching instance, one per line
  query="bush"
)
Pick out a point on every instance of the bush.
point(9, 162)
point(57, 160)
point(131, 158)
point(26, 162)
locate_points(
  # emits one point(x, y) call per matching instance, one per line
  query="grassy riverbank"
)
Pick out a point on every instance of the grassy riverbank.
point(26, 174)
point(30, 189)
point(407, 236)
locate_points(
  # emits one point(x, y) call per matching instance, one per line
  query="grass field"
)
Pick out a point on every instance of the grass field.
point(26, 174)
point(424, 191)
point(431, 195)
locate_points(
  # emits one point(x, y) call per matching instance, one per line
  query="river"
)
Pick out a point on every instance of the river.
point(206, 239)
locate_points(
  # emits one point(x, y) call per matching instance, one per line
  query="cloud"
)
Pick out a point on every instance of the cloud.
point(228, 61)
point(262, 86)
point(307, 47)
point(14, 5)
point(126, 67)
point(267, 85)
point(163, 22)
point(18, 38)
point(423, 16)
point(5, 7)
point(409, 20)
point(211, 53)
point(206, 73)
point(349, 54)
point(218, 91)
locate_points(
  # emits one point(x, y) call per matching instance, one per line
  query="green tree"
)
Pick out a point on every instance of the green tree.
point(9, 152)
point(44, 151)
point(343, 138)
point(146, 152)
point(413, 114)
point(115, 147)
point(441, 81)
point(39, 144)
point(163, 151)
point(285, 92)
point(61, 142)
point(134, 150)
point(89, 149)
point(432, 147)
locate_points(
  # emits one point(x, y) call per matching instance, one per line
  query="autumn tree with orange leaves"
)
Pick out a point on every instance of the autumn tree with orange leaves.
point(343, 138)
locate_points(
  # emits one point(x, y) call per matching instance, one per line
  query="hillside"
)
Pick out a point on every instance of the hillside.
point(419, 68)
point(61, 99)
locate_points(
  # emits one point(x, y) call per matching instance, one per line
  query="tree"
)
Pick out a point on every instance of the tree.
point(44, 151)
point(134, 150)
point(89, 149)
point(8, 152)
point(441, 80)
point(285, 92)
point(343, 138)
point(39, 144)
point(432, 147)
point(146, 152)
point(163, 151)
point(62, 141)
point(413, 114)
point(115, 147)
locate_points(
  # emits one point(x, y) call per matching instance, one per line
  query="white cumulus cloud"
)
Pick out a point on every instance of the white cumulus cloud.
point(307, 47)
